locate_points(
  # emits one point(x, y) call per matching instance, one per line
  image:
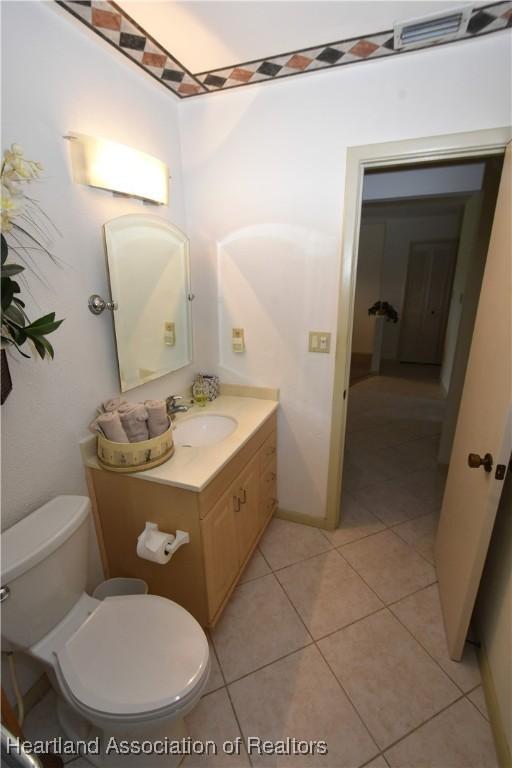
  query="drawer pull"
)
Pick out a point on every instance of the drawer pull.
point(236, 503)
point(244, 499)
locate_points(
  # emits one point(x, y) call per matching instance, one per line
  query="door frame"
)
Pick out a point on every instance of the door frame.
point(425, 149)
point(441, 241)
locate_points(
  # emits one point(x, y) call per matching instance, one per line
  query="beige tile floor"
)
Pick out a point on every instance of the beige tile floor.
point(338, 636)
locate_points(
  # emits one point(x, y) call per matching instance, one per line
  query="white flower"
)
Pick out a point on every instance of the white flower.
point(16, 166)
point(10, 205)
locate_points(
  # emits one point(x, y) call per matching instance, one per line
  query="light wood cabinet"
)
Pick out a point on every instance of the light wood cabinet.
point(246, 491)
point(220, 545)
point(225, 522)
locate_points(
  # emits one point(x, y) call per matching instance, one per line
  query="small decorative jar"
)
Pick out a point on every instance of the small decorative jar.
point(208, 385)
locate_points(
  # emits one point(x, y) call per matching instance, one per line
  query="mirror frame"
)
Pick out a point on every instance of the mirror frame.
point(189, 296)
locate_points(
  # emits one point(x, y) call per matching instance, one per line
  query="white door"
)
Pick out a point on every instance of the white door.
point(484, 426)
point(430, 272)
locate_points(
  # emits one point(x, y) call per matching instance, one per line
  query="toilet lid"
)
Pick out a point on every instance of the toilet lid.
point(134, 654)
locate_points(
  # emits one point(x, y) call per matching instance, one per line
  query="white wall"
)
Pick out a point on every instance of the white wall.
point(368, 283)
point(265, 170)
point(68, 81)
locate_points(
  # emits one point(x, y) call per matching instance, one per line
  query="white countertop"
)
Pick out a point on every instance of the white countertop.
point(194, 468)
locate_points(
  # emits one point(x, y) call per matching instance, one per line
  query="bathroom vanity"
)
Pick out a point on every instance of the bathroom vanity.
point(223, 494)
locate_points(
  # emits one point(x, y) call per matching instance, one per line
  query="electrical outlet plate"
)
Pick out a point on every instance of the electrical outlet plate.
point(237, 340)
point(320, 341)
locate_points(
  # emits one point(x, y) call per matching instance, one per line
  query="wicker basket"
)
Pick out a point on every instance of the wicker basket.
point(135, 457)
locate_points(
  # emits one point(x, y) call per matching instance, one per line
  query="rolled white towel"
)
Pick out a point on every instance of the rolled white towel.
point(113, 404)
point(134, 420)
point(158, 420)
point(110, 425)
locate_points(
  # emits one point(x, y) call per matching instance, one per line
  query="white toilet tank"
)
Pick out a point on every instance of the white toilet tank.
point(44, 567)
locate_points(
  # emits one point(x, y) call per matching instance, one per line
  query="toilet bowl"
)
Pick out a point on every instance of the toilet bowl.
point(125, 668)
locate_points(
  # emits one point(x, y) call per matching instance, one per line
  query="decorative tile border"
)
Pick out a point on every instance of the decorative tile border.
point(490, 18)
point(116, 27)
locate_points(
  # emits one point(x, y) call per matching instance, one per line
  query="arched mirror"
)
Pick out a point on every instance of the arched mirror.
point(148, 264)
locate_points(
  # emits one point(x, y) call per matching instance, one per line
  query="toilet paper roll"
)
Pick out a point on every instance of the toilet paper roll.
point(154, 545)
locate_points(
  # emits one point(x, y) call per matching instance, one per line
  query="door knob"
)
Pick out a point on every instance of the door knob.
point(475, 461)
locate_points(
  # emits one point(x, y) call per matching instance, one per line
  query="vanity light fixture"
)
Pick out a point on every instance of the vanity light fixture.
point(121, 169)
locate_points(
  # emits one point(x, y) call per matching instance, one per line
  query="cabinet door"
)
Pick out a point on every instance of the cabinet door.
point(248, 520)
point(219, 531)
point(268, 491)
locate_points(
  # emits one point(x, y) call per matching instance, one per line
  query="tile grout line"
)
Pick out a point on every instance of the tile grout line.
point(228, 693)
point(387, 527)
point(392, 602)
point(395, 602)
point(389, 607)
point(268, 664)
point(240, 729)
point(466, 695)
point(432, 717)
point(349, 699)
point(315, 642)
point(263, 555)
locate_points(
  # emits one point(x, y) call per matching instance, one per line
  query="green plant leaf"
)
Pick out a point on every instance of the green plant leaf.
point(18, 334)
point(49, 318)
point(12, 343)
point(8, 270)
point(7, 287)
point(38, 328)
point(40, 348)
point(13, 313)
point(5, 249)
point(48, 346)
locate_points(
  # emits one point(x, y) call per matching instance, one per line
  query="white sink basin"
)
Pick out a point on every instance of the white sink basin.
point(199, 431)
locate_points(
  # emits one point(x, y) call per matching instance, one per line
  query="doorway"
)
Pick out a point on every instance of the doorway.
point(397, 154)
point(424, 233)
point(430, 271)
point(478, 146)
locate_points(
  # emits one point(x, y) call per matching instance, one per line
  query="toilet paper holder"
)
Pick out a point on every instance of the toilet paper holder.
point(175, 541)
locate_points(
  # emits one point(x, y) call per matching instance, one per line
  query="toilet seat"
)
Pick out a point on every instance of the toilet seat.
point(135, 656)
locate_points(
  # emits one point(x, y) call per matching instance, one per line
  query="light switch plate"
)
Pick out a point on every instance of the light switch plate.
point(320, 341)
point(169, 334)
point(237, 340)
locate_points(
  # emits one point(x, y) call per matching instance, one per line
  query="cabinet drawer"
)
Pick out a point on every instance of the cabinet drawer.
point(268, 451)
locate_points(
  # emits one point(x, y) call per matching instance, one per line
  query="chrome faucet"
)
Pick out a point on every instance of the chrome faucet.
point(172, 406)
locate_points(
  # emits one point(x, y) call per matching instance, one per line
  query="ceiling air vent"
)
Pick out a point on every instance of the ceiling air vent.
point(431, 29)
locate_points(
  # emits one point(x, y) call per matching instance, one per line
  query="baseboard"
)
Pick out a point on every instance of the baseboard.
point(493, 710)
point(300, 517)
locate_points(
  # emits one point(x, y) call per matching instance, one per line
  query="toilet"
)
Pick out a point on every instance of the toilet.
point(127, 667)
